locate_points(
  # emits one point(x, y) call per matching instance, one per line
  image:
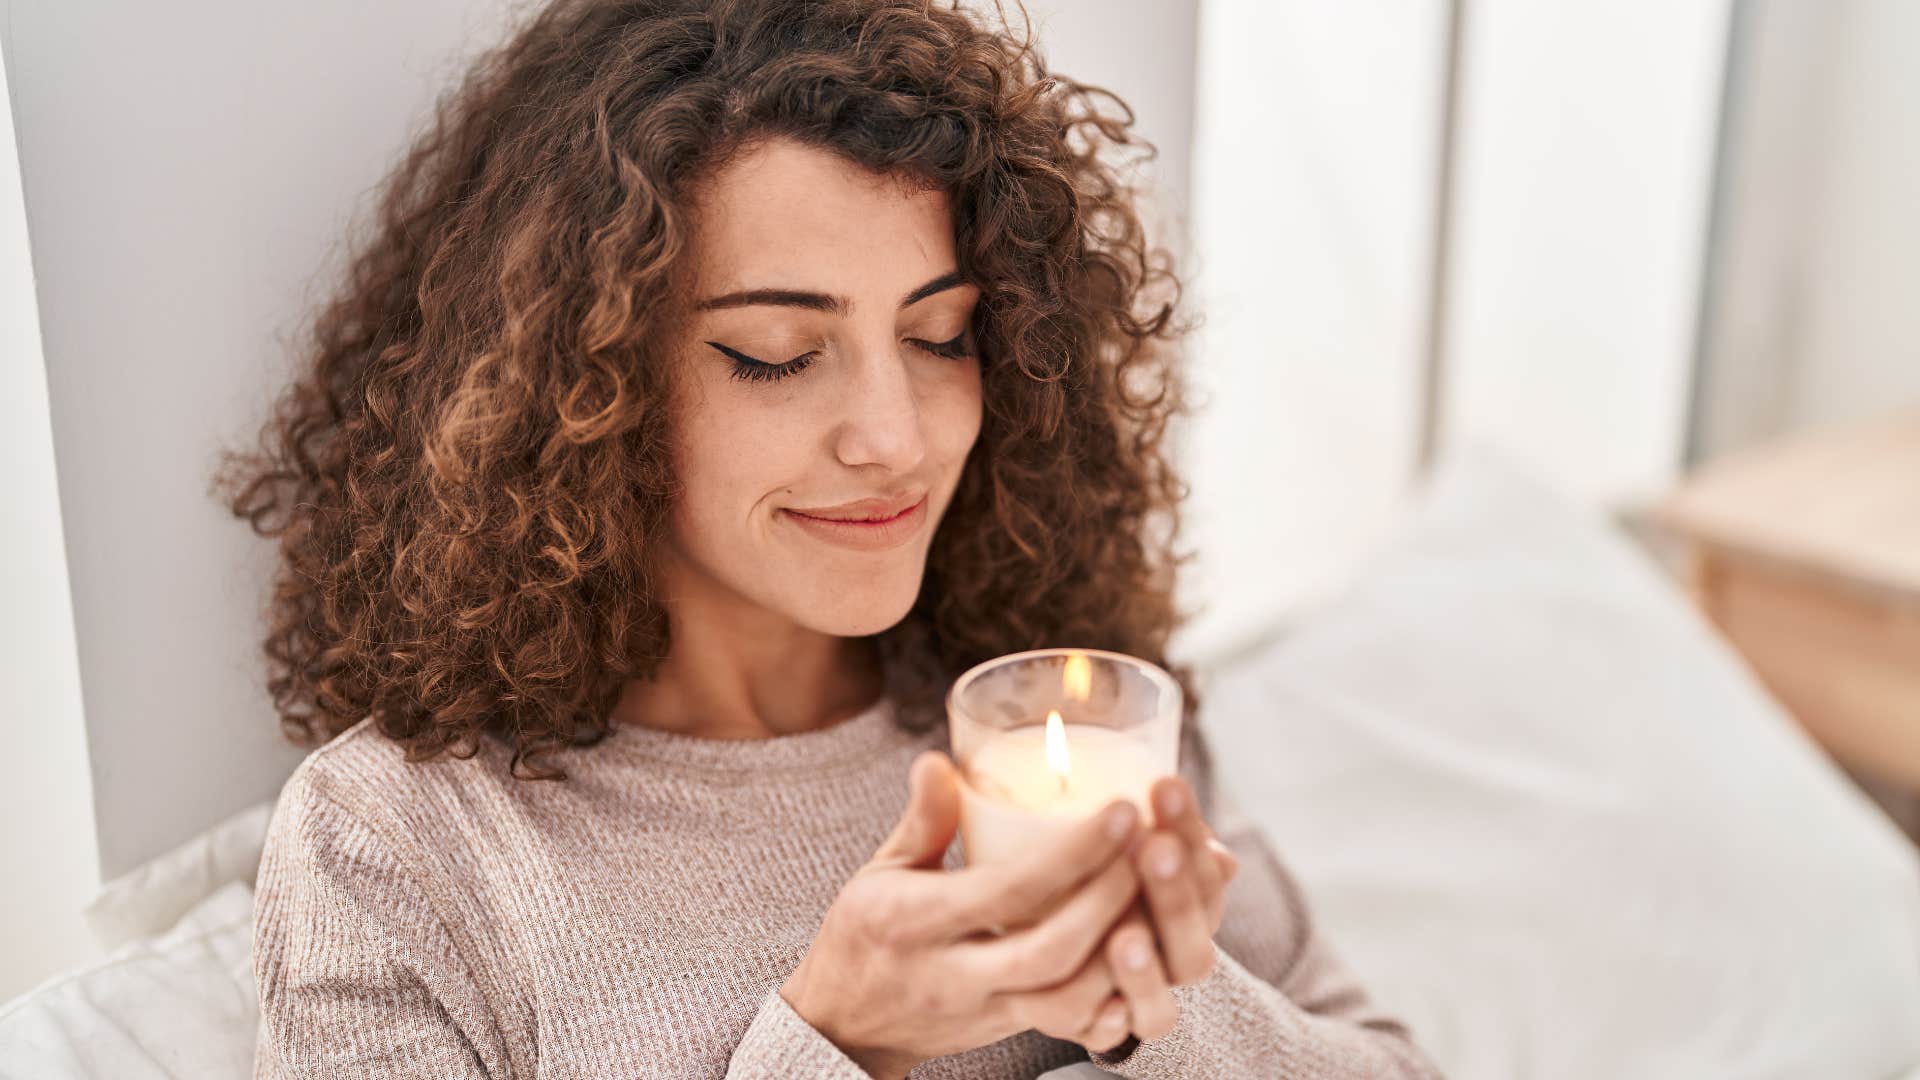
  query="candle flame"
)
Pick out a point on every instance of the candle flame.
point(1076, 679)
point(1057, 747)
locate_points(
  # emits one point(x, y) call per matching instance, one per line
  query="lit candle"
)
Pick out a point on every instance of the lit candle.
point(1024, 779)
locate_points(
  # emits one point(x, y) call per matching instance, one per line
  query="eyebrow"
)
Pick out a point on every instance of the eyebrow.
point(813, 301)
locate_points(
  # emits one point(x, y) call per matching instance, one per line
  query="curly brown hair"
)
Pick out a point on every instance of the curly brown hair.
point(472, 473)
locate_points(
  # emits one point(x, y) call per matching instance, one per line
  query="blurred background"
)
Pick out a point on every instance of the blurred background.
point(1665, 251)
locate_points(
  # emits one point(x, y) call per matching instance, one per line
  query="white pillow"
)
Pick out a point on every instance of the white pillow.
point(180, 1004)
point(154, 895)
point(1554, 822)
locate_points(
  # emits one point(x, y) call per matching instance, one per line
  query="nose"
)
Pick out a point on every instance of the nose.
point(881, 422)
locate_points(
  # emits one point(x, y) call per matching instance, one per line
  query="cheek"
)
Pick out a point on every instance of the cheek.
point(953, 412)
point(733, 458)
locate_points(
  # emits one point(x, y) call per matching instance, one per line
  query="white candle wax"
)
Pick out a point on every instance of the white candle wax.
point(1014, 797)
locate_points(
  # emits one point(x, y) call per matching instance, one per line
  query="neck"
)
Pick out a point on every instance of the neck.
point(739, 671)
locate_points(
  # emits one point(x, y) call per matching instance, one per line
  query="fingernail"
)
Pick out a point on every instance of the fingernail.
point(1172, 803)
point(1135, 956)
point(1120, 820)
point(1165, 862)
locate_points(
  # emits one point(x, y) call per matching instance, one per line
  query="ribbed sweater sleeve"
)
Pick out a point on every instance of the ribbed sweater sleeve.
point(1279, 1002)
point(357, 974)
point(781, 1044)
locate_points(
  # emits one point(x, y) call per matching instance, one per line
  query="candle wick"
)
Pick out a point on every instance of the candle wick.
point(1063, 782)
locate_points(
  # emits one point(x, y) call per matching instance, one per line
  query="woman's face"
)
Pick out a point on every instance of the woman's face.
point(828, 361)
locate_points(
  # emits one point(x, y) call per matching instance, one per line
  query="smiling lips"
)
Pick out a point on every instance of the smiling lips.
point(864, 509)
point(865, 525)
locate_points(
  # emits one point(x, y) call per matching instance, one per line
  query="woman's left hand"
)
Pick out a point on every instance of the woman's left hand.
point(1183, 871)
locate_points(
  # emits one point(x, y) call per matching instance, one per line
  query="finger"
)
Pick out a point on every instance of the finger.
point(932, 816)
point(1066, 1011)
point(1051, 950)
point(1109, 1028)
point(1229, 862)
point(1229, 865)
point(1022, 890)
point(1176, 808)
point(1180, 920)
point(1134, 959)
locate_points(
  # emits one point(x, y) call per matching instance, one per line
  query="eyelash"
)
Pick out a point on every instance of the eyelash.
point(747, 368)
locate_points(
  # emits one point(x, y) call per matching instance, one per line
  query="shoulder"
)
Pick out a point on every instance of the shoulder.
point(361, 901)
point(362, 779)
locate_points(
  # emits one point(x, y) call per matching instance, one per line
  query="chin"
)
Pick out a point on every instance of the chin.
point(862, 609)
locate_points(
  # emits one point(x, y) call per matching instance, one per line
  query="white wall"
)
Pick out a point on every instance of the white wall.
point(1858, 340)
point(1314, 154)
point(1142, 50)
point(1584, 177)
point(47, 865)
point(1583, 167)
point(1781, 60)
point(1811, 316)
point(188, 169)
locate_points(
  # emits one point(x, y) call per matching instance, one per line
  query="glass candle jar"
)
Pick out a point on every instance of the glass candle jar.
point(1047, 737)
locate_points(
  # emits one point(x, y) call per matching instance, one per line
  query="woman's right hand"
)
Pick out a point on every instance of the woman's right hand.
point(909, 963)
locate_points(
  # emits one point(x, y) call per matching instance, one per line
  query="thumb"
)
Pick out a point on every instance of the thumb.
point(932, 815)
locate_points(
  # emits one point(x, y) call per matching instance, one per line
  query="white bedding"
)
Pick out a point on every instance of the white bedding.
point(1554, 821)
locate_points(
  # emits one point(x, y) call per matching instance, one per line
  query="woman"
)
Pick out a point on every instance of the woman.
point(722, 380)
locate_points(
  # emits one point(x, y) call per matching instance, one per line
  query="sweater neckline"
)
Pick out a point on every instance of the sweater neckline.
point(854, 739)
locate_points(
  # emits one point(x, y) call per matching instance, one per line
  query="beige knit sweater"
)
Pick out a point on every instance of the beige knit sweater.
point(637, 920)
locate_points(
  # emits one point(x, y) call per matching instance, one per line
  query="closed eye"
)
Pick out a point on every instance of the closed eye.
point(753, 369)
point(954, 349)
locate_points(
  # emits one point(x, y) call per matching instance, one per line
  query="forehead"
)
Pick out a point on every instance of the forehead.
point(785, 214)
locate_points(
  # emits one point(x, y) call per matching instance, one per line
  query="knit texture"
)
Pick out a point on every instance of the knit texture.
point(637, 919)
